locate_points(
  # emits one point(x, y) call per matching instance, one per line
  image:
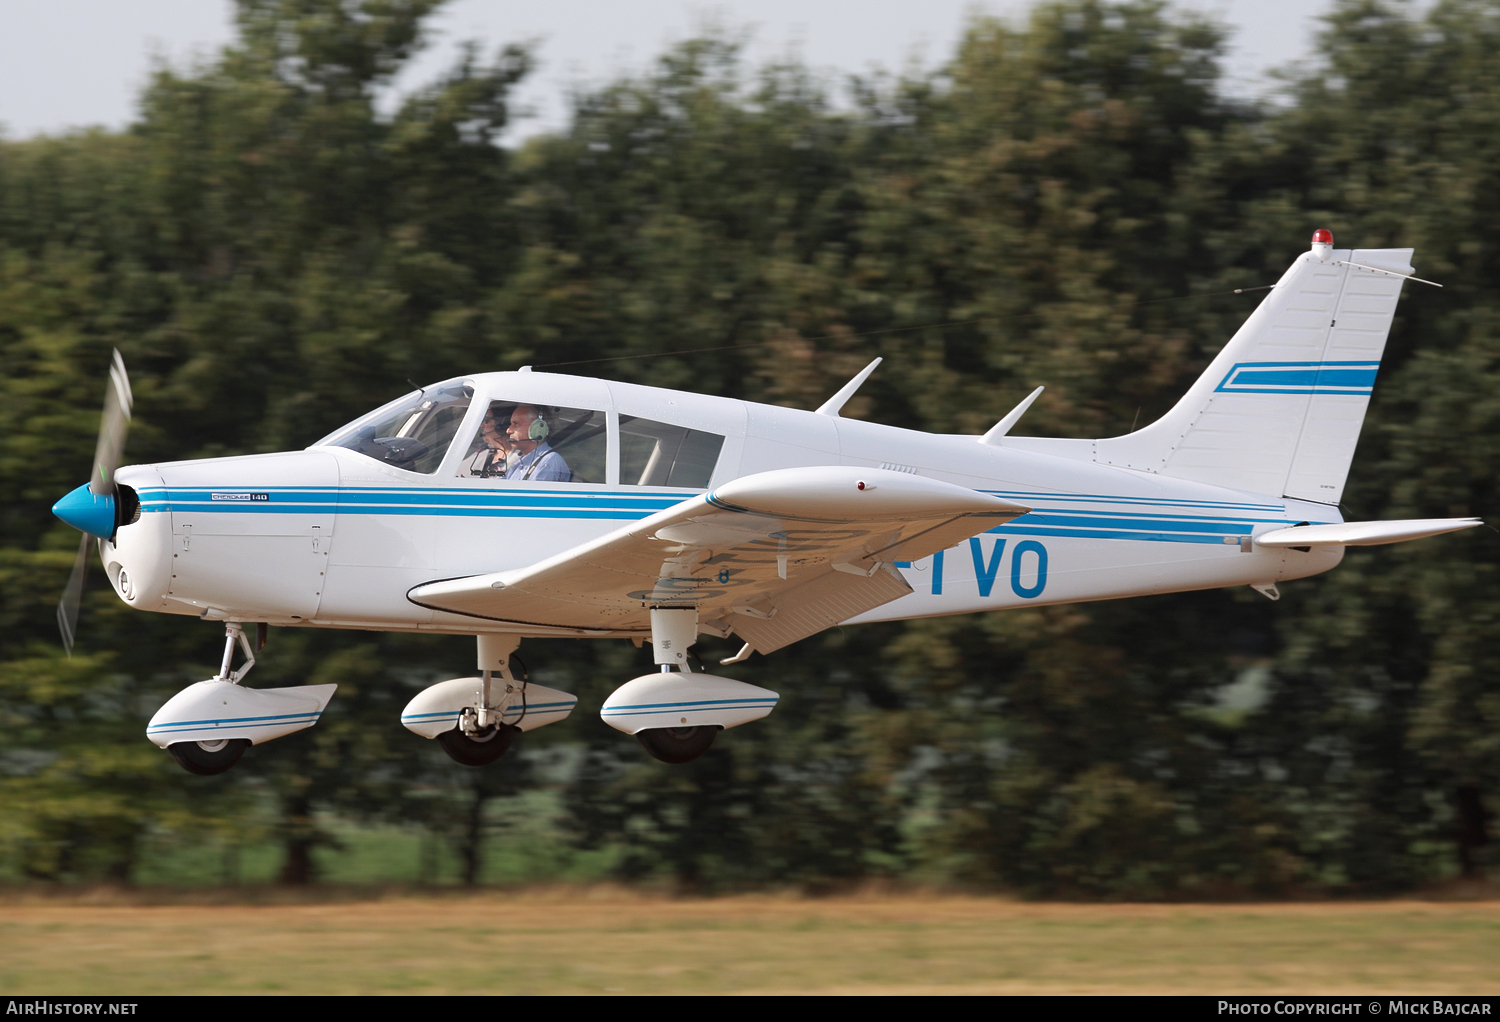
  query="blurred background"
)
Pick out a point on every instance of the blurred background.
point(282, 228)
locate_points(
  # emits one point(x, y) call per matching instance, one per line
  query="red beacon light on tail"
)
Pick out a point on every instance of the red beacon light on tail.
point(1322, 243)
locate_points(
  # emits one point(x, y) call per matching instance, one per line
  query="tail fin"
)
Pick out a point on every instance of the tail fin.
point(1279, 410)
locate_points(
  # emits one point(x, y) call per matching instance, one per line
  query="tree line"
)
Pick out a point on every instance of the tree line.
point(1071, 199)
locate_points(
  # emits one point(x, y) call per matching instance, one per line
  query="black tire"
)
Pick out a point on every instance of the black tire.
point(481, 750)
point(678, 744)
point(208, 758)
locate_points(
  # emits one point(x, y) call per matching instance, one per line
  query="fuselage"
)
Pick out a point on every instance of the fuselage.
point(334, 536)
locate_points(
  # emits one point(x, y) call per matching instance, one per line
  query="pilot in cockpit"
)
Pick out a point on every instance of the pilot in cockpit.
point(518, 450)
point(528, 434)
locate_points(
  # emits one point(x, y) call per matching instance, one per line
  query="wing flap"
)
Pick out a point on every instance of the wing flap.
point(809, 607)
point(782, 554)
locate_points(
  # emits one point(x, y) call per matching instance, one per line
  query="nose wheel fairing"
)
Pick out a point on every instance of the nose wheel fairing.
point(207, 726)
point(219, 709)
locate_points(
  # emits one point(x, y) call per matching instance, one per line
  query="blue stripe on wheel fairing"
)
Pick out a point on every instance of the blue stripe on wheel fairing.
point(231, 722)
point(638, 709)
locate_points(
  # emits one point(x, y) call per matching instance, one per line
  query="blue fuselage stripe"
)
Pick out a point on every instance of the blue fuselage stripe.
point(1133, 518)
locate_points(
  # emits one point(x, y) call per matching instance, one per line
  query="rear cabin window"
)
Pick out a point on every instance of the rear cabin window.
point(659, 454)
point(538, 443)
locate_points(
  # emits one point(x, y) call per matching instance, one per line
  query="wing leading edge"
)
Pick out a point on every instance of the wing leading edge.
point(773, 557)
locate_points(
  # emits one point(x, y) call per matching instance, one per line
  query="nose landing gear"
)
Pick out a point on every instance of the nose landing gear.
point(207, 727)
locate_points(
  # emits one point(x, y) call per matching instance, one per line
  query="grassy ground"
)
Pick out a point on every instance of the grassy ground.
point(608, 942)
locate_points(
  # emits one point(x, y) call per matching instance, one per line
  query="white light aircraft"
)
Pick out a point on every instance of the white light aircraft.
point(510, 505)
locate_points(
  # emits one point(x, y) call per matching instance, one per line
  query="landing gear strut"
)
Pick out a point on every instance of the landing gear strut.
point(482, 735)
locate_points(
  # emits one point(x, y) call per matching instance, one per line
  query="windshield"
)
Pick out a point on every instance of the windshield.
point(412, 432)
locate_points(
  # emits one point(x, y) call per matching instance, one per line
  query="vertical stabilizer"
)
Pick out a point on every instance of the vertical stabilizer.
point(1279, 410)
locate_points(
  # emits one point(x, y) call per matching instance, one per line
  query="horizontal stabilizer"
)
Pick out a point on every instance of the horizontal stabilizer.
point(1363, 533)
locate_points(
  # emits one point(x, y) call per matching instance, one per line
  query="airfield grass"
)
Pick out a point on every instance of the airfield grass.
point(604, 941)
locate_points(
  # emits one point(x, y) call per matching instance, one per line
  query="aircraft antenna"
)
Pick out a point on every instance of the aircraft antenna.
point(833, 404)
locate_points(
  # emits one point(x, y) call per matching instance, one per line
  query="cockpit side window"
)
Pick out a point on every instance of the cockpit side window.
point(538, 443)
point(412, 433)
point(660, 454)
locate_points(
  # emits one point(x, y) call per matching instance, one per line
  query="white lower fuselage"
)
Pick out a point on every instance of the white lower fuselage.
point(329, 537)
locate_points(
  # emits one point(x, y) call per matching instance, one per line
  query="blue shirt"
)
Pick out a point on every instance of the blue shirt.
point(542, 465)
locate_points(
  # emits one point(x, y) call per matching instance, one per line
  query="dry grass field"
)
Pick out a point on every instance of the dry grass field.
point(611, 942)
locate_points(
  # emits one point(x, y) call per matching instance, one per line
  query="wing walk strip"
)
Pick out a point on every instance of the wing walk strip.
point(1059, 522)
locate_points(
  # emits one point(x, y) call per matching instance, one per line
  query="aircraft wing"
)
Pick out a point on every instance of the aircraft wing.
point(774, 557)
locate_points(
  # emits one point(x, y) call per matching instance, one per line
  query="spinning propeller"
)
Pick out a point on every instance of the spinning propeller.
point(92, 508)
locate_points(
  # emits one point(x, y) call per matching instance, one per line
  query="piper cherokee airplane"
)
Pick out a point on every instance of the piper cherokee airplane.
point(511, 505)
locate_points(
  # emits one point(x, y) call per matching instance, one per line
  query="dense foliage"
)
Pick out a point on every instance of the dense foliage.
point(274, 256)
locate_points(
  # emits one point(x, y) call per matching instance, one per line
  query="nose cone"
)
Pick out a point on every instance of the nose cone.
point(88, 512)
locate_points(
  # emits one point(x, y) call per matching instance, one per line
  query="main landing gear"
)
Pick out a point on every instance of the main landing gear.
point(476, 720)
point(482, 734)
point(676, 714)
point(473, 745)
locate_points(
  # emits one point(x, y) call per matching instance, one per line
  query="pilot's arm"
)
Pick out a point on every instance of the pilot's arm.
point(487, 462)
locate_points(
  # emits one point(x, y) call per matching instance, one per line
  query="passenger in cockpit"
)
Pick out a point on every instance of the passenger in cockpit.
point(496, 452)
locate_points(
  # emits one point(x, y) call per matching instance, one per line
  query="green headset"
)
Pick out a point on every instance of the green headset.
point(539, 428)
